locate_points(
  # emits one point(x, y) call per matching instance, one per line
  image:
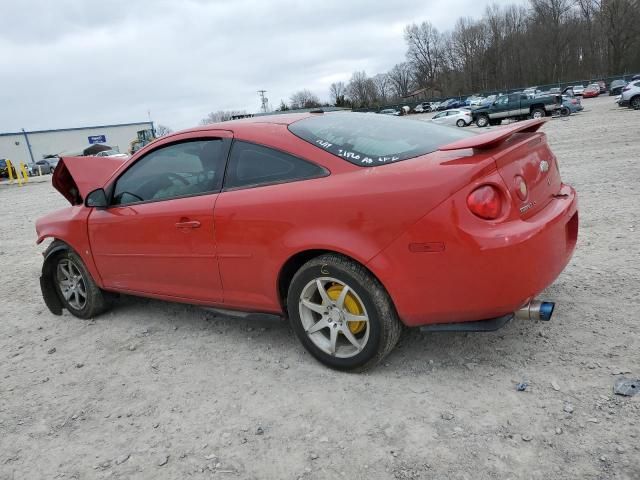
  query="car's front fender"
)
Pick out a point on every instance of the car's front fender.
point(69, 225)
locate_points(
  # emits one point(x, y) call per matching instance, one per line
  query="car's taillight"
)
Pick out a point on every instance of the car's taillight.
point(485, 202)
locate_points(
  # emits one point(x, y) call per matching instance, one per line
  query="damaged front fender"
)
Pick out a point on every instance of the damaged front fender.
point(50, 293)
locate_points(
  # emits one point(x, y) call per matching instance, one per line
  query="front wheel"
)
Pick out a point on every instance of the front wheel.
point(537, 113)
point(635, 103)
point(461, 123)
point(76, 289)
point(565, 112)
point(482, 121)
point(342, 314)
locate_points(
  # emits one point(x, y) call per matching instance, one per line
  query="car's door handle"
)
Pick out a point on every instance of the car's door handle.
point(188, 224)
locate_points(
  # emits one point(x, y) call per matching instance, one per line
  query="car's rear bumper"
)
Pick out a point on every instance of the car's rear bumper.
point(477, 271)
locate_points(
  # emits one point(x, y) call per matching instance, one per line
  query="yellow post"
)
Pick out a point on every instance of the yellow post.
point(10, 170)
point(25, 174)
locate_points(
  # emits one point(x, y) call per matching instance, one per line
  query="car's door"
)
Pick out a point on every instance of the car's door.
point(157, 236)
point(500, 108)
point(452, 117)
point(440, 117)
point(251, 220)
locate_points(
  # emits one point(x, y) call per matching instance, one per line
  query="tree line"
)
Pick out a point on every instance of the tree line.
point(510, 46)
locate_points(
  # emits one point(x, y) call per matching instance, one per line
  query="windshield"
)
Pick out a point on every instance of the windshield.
point(368, 140)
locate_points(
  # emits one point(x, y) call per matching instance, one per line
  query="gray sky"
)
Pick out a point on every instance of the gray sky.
point(69, 63)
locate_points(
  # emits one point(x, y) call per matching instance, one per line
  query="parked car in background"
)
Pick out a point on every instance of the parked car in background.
point(554, 90)
point(41, 167)
point(389, 111)
point(631, 95)
point(4, 169)
point(459, 117)
point(111, 153)
point(578, 89)
point(488, 100)
point(602, 85)
point(426, 107)
point(616, 86)
point(531, 91)
point(591, 91)
point(518, 106)
point(572, 103)
point(451, 103)
point(475, 101)
point(435, 215)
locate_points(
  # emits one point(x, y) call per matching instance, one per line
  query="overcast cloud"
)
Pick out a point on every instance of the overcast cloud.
point(71, 63)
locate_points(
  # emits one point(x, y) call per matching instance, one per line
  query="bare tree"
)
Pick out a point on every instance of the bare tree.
point(382, 84)
point(338, 92)
point(361, 90)
point(400, 79)
point(620, 22)
point(162, 130)
point(304, 99)
point(221, 116)
point(425, 52)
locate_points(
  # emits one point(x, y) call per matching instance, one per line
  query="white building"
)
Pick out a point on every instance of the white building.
point(66, 141)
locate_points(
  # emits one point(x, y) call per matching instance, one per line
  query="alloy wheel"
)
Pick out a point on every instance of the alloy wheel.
point(71, 283)
point(334, 317)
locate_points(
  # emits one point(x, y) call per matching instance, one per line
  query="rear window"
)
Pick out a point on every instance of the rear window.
point(368, 139)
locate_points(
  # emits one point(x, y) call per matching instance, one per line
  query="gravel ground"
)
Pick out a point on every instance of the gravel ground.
point(159, 390)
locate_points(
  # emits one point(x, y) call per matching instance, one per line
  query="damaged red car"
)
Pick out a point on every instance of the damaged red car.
point(352, 225)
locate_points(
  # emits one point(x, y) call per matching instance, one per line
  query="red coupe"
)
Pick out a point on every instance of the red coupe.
point(350, 224)
point(591, 91)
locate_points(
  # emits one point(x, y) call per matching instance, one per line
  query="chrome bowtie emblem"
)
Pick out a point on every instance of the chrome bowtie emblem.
point(544, 166)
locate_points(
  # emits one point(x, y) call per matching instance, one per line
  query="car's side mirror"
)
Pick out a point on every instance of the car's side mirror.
point(97, 198)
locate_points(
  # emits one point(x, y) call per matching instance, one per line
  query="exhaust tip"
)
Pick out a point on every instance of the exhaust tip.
point(546, 310)
point(536, 310)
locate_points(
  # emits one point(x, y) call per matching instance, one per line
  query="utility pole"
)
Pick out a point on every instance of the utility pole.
point(26, 137)
point(263, 100)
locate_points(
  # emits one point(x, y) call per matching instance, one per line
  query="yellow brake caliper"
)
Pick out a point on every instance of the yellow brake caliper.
point(351, 305)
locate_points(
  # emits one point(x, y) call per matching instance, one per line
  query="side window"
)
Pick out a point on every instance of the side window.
point(502, 100)
point(252, 165)
point(176, 170)
point(452, 113)
point(440, 115)
point(515, 98)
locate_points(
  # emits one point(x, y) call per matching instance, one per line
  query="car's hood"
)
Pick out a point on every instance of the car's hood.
point(75, 177)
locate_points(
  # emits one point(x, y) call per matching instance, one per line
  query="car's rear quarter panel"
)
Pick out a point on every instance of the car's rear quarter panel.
point(355, 211)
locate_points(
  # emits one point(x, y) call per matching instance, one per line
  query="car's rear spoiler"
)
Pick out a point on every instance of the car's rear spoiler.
point(493, 138)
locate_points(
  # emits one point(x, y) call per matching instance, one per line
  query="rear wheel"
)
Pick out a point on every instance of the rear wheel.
point(342, 314)
point(77, 291)
point(482, 121)
point(461, 123)
point(538, 113)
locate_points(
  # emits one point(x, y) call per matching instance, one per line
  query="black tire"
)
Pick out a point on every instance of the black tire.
point(635, 103)
point(565, 112)
point(482, 120)
point(383, 326)
point(538, 113)
point(96, 301)
point(461, 123)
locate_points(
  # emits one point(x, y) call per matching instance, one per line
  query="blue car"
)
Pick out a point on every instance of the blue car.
point(572, 103)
